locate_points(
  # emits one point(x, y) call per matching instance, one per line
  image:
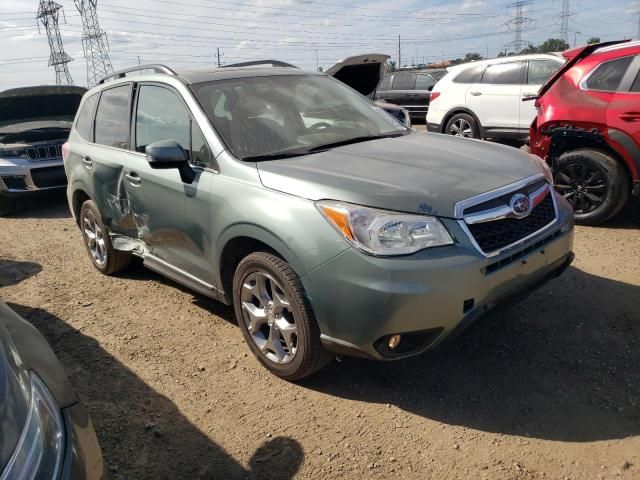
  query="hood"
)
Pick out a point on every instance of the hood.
point(14, 401)
point(29, 104)
point(416, 173)
point(361, 72)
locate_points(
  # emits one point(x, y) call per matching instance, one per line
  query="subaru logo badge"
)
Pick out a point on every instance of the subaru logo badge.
point(520, 205)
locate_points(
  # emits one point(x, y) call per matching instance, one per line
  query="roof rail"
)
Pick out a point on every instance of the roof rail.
point(273, 63)
point(123, 73)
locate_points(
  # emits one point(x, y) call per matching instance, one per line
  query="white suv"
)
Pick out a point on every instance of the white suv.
point(484, 99)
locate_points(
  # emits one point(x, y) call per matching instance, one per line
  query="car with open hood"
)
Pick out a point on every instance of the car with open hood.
point(329, 226)
point(364, 73)
point(45, 430)
point(34, 123)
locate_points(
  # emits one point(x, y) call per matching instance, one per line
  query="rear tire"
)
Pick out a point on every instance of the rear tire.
point(595, 184)
point(98, 242)
point(462, 125)
point(275, 317)
point(7, 206)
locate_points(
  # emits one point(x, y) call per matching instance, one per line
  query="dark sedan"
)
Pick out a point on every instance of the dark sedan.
point(45, 431)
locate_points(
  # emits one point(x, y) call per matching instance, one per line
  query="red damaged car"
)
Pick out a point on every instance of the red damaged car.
point(588, 128)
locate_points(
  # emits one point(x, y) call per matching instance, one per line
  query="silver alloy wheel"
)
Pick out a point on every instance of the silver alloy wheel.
point(94, 236)
point(461, 128)
point(268, 316)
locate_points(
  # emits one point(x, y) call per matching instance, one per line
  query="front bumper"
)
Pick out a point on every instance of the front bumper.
point(433, 127)
point(360, 300)
point(19, 176)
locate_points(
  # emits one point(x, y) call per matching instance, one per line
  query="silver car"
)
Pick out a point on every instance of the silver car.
point(328, 225)
point(34, 123)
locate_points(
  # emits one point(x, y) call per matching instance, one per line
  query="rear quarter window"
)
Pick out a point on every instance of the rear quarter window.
point(424, 82)
point(608, 75)
point(84, 123)
point(112, 117)
point(469, 75)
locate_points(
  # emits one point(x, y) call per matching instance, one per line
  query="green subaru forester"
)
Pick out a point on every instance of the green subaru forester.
point(327, 225)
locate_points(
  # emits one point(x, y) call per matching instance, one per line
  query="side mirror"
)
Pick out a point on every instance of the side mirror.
point(169, 154)
point(430, 88)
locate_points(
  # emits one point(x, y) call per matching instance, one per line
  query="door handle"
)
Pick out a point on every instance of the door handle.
point(134, 179)
point(86, 161)
point(476, 94)
point(529, 94)
point(412, 94)
point(630, 117)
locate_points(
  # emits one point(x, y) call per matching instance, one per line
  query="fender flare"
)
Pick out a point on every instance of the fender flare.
point(260, 234)
point(455, 110)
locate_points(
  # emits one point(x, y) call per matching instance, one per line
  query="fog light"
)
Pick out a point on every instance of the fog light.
point(394, 341)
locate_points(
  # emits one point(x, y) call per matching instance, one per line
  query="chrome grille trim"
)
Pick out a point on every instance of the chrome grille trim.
point(500, 213)
point(48, 151)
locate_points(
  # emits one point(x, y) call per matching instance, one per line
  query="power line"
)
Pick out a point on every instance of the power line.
point(48, 13)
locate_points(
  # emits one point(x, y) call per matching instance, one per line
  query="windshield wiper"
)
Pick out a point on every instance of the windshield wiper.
point(349, 141)
point(297, 152)
point(276, 155)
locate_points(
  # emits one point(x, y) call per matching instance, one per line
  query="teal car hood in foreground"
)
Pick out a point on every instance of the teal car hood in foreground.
point(415, 173)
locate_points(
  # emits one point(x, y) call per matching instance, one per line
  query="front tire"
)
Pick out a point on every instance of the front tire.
point(594, 183)
point(462, 125)
point(275, 317)
point(98, 242)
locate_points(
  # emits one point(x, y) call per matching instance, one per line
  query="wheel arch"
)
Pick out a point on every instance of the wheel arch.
point(455, 111)
point(78, 197)
point(241, 240)
point(577, 141)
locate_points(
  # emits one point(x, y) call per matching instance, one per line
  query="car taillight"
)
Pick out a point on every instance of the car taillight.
point(433, 96)
point(65, 151)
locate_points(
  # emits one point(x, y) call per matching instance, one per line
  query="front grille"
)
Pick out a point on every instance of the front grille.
point(51, 151)
point(492, 236)
point(49, 177)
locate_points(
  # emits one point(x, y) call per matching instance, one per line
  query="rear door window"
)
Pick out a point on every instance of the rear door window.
point(608, 75)
point(424, 82)
point(403, 81)
point(539, 71)
point(503, 74)
point(84, 124)
point(112, 117)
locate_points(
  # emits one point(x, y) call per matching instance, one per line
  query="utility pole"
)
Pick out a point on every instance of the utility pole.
point(94, 42)
point(575, 37)
point(518, 23)
point(564, 21)
point(317, 66)
point(139, 62)
point(399, 57)
point(48, 12)
point(219, 65)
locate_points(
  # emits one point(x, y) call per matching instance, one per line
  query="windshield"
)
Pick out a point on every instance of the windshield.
point(294, 114)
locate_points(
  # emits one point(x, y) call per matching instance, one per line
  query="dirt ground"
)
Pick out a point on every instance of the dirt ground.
point(549, 389)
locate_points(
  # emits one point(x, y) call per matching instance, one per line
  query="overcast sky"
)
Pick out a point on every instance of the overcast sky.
point(187, 33)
